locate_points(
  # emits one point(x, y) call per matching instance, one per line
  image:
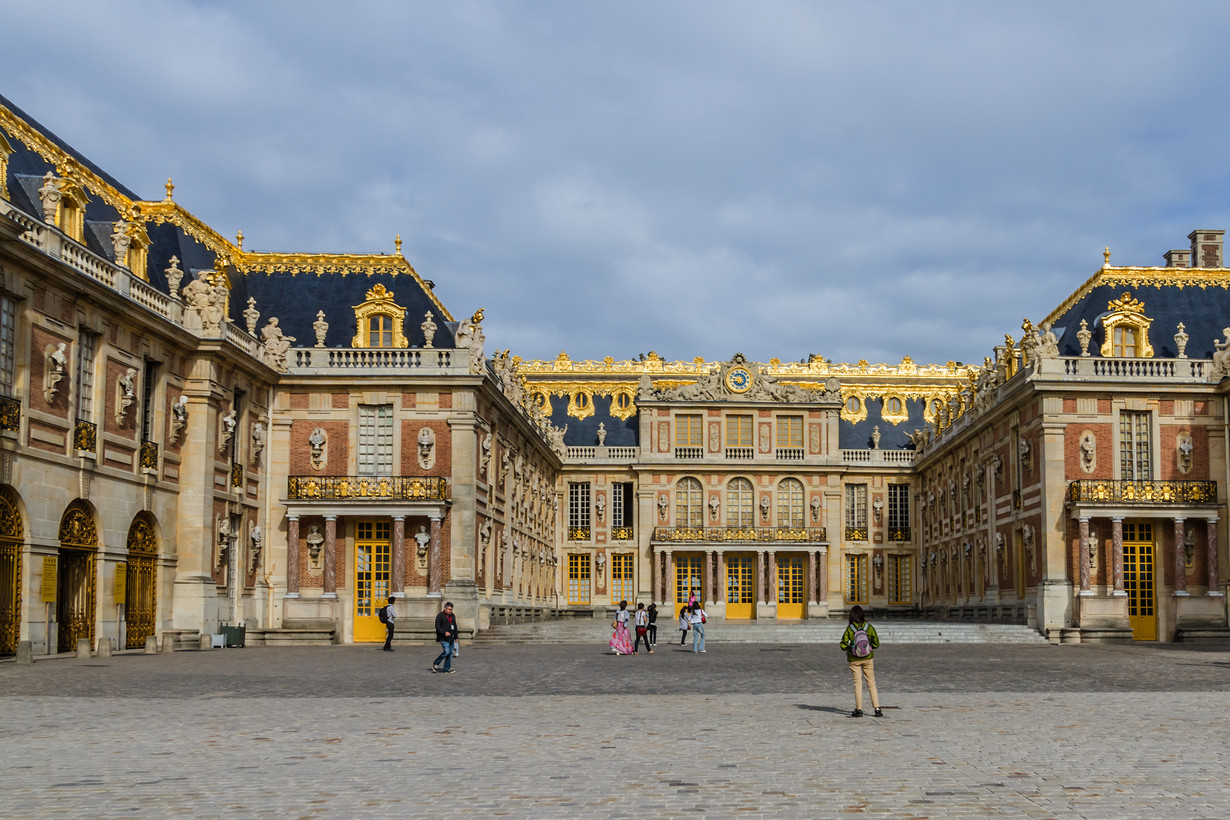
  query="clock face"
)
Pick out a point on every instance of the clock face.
point(739, 380)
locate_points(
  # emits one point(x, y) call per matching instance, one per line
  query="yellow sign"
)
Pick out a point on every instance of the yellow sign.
point(49, 579)
point(121, 582)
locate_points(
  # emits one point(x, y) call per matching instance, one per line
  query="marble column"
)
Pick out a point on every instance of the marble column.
point(1180, 558)
point(822, 577)
point(435, 563)
point(292, 556)
point(811, 576)
point(399, 555)
point(1083, 557)
point(654, 575)
point(761, 579)
point(330, 556)
point(1116, 556)
point(668, 580)
point(719, 581)
point(771, 577)
point(706, 593)
point(1211, 558)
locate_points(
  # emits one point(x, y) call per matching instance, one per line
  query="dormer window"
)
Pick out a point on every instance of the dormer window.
point(1126, 329)
point(378, 321)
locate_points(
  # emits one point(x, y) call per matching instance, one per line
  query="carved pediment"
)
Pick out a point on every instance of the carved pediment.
point(741, 380)
point(379, 321)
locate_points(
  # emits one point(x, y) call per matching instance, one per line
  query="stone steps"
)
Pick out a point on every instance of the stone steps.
point(720, 631)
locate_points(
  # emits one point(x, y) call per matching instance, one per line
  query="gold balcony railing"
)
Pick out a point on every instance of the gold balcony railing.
point(856, 533)
point(578, 533)
point(149, 454)
point(1088, 490)
point(10, 414)
point(621, 533)
point(85, 436)
point(898, 534)
point(367, 488)
point(764, 535)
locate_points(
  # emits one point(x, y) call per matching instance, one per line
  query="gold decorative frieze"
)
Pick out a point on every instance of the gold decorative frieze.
point(77, 528)
point(621, 533)
point(367, 488)
point(1142, 492)
point(141, 537)
point(728, 535)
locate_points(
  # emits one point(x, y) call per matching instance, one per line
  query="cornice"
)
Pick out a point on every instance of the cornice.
point(1137, 277)
point(796, 372)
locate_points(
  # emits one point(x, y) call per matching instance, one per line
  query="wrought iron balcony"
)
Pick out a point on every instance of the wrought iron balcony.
point(1088, 490)
point(85, 437)
point(621, 533)
point(366, 488)
point(149, 454)
point(10, 414)
point(898, 534)
point(763, 535)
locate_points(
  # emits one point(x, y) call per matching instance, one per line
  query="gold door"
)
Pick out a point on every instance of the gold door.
point(790, 592)
point(75, 599)
point(578, 578)
point(140, 599)
point(688, 574)
point(1138, 580)
point(373, 548)
point(10, 575)
point(740, 586)
point(622, 587)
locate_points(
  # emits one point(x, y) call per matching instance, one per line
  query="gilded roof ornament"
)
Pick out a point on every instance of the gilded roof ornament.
point(1106, 257)
point(397, 244)
point(239, 240)
point(1126, 304)
point(170, 186)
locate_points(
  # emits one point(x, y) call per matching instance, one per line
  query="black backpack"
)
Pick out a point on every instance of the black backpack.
point(383, 614)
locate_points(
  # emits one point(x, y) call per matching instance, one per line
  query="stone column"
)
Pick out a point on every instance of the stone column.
point(399, 555)
point(1211, 558)
point(822, 577)
point(654, 574)
point(292, 556)
point(771, 578)
point(706, 593)
point(761, 579)
point(1180, 559)
point(811, 576)
point(1084, 557)
point(1116, 556)
point(330, 556)
point(668, 579)
point(719, 580)
point(435, 563)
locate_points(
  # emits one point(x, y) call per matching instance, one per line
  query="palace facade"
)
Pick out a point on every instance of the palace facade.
point(193, 434)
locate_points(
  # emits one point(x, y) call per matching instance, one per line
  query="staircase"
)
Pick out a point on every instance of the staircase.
point(718, 630)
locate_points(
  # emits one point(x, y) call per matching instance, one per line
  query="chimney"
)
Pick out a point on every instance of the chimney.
point(1206, 248)
point(1179, 258)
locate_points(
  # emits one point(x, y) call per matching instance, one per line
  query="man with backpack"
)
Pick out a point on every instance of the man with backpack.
point(387, 617)
point(859, 642)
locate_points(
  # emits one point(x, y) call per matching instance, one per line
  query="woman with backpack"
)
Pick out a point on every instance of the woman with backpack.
point(859, 642)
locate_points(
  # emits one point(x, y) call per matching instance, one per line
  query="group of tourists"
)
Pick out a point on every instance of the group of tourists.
point(446, 635)
point(644, 621)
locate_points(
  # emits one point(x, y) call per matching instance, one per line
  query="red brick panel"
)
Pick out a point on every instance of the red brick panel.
point(410, 447)
point(338, 447)
point(1104, 458)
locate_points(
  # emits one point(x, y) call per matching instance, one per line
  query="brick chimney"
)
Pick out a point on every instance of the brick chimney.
point(1179, 258)
point(1206, 248)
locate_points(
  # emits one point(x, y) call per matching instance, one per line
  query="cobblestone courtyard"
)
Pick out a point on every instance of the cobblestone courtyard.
point(568, 731)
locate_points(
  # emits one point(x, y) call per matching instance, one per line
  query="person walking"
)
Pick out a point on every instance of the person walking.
point(388, 625)
point(684, 624)
point(652, 612)
point(698, 619)
point(621, 639)
point(446, 634)
point(860, 642)
point(642, 630)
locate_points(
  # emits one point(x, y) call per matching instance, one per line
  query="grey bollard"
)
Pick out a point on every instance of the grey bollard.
point(83, 648)
point(205, 643)
point(168, 644)
point(151, 645)
point(25, 652)
point(104, 647)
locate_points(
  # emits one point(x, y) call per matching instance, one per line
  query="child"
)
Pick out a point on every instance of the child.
point(683, 624)
point(858, 641)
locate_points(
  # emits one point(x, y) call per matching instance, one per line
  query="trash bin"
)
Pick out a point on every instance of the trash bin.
point(234, 634)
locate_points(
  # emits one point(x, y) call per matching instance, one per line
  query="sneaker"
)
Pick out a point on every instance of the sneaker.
point(435, 669)
point(879, 713)
point(857, 713)
point(702, 650)
point(450, 671)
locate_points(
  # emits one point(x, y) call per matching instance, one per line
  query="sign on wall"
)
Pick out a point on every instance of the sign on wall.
point(49, 579)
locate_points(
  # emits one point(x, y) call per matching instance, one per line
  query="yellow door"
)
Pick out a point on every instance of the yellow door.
point(622, 588)
point(790, 592)
point(578, 578)
point(373, 548)
point(740, 586)
point(687, 578)
point(1138, 580)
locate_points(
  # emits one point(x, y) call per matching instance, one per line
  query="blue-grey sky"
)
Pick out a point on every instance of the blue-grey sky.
point(858, 180)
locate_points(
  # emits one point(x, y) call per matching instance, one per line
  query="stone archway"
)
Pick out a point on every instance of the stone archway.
point(75, 581)
point(140, 600)
point(11, 535)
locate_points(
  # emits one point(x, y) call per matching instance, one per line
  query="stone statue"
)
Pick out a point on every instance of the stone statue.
point(815, 508)
point(174, 277)
point(121, 242)
point(485, 457)
point(1048, 342)
point(764, 507)
point(1184, 446)
point(556, 436)
point(251, 315)
point(1221, 356)
point(317, 442)
point(423, 539)
point(315, 541)
point(644, 388)
point(429, 329)
point(1084, 337)
point(470, 337)
point(320, 327)
point(1180, 342)
point(1089, 451)
point(875, 437)
point(55, 365)
point(125, 393)
point(601, 434)
point(50, 194)
point(179, 418)
point(714, 505)
point(600, 505)
point(228, 430)
point(257, 542)
point(277, 345)
point(258, 439)
point(207, 301)
point(427, 444)
point(663, 503)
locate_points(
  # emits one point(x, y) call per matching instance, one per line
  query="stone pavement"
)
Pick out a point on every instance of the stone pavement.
point(567, 731)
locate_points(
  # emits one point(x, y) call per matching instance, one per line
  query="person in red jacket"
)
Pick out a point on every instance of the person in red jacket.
point(446, 634)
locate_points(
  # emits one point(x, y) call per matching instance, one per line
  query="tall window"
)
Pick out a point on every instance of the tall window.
point(147, 400)
point(739, 503)
point(1134, 451)
point(900, 579)
point(375, 439)
point(578, 512)
point(578, 578)
point(621, 511)
point(790, 503)
point(8, 345)
point(622, 586)
point(790, 437)
point(856, 579)
point(898, 512)
point(87, 351)
point(689, 441)
point(689, 503)
point(739, 437)
point(856, 512)
point(1124, 342)
point(380, 330)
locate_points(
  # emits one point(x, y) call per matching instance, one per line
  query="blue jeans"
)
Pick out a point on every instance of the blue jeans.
point(698, 637)
point(446, 656)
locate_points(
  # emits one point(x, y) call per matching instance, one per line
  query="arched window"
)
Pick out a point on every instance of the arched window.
point(790, 503)
point(689, 503)
point(380, 330)
point(739, 503)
